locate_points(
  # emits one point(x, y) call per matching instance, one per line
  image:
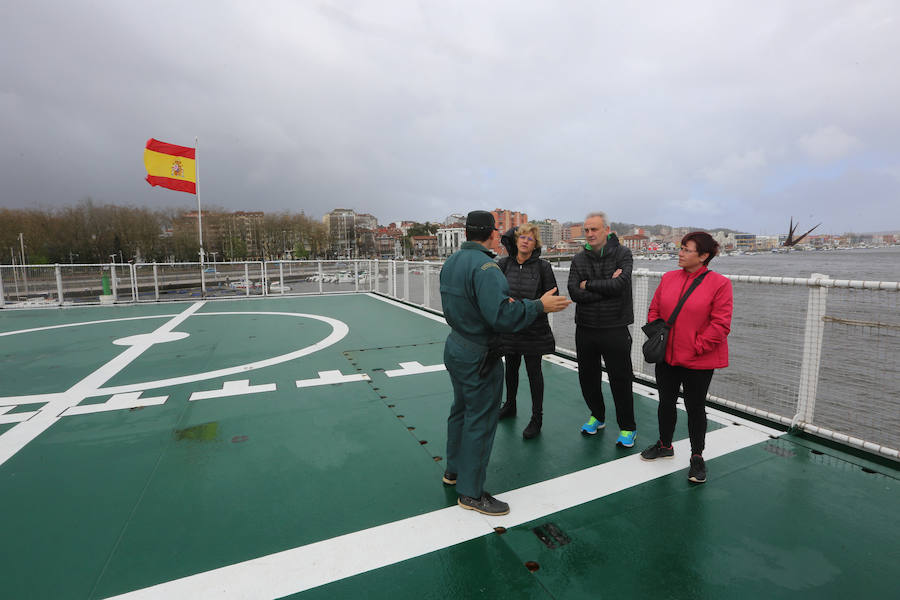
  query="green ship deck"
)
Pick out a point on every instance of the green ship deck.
point(292, 447)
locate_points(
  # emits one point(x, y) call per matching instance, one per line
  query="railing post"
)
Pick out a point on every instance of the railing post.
point(373, 287)
point(812, 349)
point(135, 296)
point(247, 279)
point(202, 280)
point(2, 294)
point(156, 282)
point(59, 286)
point(321, 277)
point(406, 280)
point(281, 276)
point(356, 275)
point(115, 284)
point(426, 295)
point(392, 278)
point(640, 287)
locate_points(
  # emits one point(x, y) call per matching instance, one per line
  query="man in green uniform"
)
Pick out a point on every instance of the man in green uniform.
point(476, 303)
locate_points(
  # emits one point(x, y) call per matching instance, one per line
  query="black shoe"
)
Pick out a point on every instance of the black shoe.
point(533, 429)
point(486, 505)
point(508, 409)
point(657, 450)
point(449, 478)
point(697, 473)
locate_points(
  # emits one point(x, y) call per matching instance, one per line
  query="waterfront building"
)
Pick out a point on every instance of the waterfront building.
point(766, 242)
point(341, 227)
point(504, 220)
point(745, 241)
point(636, 242)
point(424, 246)
point(726, 240)
point(366, 221)
point(449, 239)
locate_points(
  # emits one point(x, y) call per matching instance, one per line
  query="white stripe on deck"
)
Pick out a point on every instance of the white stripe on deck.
point(17, 437)
point(324, 562)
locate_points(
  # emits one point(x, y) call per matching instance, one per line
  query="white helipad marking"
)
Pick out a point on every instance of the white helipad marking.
point(313, 565)
point(151, 338)
point(31, 424)
point(49, 327)
point(414, 368)
point(15, 417)
point(233, 388)
point(330, 377)
point(16, 438)
point(117, 402)
point(338, 331)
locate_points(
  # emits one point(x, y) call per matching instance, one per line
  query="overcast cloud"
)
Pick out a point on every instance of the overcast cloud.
point(711, 113)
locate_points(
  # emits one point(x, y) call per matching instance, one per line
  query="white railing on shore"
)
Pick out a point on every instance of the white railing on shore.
point(814, 353)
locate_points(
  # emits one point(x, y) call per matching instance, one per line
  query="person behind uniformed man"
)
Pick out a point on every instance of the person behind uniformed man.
point(600, 285)
point(477, 306)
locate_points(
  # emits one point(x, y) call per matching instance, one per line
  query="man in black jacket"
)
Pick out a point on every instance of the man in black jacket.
point(600, 284)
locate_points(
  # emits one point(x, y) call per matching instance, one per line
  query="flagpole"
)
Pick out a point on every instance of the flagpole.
point(199, 210)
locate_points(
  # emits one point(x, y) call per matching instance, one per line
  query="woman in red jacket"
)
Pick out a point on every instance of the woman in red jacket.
point(697, 345)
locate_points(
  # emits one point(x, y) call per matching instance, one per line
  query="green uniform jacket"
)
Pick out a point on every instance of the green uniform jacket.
point(475, 296)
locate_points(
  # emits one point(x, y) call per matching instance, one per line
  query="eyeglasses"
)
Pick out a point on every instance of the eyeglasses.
point(527, 238)
point(685, 249)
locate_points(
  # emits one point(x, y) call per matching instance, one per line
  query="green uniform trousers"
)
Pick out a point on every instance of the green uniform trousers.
point(473, 415)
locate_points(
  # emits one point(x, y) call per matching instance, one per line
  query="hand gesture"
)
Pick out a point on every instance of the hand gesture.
point(554, 303)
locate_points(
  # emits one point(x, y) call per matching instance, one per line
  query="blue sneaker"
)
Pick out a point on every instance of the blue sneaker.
point(626, 438)
point(592, 426)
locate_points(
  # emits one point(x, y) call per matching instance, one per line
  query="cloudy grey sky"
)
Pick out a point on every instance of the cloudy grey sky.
point(733, 114)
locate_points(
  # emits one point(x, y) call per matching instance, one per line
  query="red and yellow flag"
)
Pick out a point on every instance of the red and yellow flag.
point(171, 166)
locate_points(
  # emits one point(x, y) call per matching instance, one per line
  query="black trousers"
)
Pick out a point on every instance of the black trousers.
point(535, 380)
point(613, 345)
point(695, 383)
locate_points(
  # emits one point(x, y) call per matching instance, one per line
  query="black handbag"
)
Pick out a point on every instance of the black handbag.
point(657, 331)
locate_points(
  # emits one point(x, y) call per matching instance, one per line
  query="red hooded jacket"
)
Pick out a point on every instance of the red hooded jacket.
point(698, 339)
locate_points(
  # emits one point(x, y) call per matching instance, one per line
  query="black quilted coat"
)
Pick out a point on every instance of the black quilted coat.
point(528, 280)
point(606, 302)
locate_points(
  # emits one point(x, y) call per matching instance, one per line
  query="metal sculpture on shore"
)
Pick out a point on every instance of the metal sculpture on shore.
point(790, 241)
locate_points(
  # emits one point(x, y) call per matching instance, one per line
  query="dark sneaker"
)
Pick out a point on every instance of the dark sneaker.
point(657, 450)
point(697, 473)
point(449, 478)
point(486, 505)
point(508, 410)
point(533, 429)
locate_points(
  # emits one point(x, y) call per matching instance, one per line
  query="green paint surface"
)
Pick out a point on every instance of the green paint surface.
point(105, 503)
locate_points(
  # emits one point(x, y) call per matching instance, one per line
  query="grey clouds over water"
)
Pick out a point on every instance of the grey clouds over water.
point(704, 113)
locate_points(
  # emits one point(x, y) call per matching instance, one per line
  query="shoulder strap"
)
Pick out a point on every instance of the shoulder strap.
point(684, 298)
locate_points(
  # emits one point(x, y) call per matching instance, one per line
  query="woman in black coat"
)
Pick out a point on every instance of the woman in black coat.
point(530, 277)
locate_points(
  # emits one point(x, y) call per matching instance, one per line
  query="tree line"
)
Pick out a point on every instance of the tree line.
point(101, 233)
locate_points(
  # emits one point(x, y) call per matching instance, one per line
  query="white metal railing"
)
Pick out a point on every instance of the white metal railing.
point(814, 353)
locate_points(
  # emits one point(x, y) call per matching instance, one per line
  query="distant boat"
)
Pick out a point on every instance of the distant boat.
point(243, 284)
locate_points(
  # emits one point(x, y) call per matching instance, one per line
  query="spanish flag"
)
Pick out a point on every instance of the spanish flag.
point(171, 166)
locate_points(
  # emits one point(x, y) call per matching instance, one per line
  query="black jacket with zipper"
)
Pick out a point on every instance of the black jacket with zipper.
point(531, 280)
point(605, 301)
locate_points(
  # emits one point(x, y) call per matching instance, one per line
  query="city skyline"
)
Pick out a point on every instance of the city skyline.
point(733, 116)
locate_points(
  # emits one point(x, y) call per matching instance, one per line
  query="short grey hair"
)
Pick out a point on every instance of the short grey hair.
point(598, 213)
